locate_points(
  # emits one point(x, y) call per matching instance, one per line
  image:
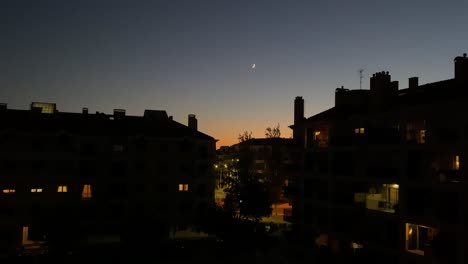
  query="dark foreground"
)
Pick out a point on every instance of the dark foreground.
point(271, 250)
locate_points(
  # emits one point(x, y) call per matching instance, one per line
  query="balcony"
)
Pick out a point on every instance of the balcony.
point(419, 238)
point(384, 198)
point(449, 176)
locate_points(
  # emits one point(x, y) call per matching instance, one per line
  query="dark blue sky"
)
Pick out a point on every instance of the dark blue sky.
point(195, 56)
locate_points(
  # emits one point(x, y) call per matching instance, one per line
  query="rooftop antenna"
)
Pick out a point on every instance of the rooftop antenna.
point(360, 78)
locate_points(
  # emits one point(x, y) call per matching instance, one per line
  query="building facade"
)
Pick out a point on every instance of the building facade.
point(383, 175)
point(72, 178)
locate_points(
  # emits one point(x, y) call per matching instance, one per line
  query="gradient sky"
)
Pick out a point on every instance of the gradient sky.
point(194, 56)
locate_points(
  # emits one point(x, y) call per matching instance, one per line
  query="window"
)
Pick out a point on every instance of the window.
point(183, 187)
point(456, 164)
point(36, 190)
point(419, 238)
point(316, 135)
point(86, 194)
point(8, 190)
point(359, 130)
point(62, 189)
point(422, 136)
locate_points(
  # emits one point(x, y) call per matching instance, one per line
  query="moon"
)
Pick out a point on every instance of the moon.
point(253, 66)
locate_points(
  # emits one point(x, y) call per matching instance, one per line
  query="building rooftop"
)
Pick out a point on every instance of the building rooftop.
point(155, 123)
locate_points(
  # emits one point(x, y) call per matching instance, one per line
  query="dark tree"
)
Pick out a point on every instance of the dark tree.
point(246, 194)
point(245, 136)
point(273, 132)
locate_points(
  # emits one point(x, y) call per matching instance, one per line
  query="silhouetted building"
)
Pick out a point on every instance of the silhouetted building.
point(384, 175)
point(274, 160)
point(70, 178)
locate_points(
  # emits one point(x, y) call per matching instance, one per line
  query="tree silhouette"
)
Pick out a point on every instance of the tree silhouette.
point(245, 136)
point(273, 132)
point(246, 194)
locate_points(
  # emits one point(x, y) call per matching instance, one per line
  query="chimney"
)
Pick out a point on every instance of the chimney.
point(192, 122)
point(413, 82)
point(382, 90)
point(298, 110)
point(394, 85)
point(85, 110)
point(461, 68)
point(3, 106)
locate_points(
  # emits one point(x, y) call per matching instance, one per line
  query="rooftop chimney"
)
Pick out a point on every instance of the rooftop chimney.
point(461, 68)
point(413, 82)
point(298, 109)
point(85, 110)
point(3, 106)
point(192, 122)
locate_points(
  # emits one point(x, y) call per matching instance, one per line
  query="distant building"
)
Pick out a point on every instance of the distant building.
point(384, 175)
point(68, 178)
point(274, 159)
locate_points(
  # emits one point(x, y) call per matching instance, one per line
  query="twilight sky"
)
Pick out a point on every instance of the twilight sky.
point(195, 56)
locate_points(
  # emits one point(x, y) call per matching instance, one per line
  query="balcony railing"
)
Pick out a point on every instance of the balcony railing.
point(375, 202)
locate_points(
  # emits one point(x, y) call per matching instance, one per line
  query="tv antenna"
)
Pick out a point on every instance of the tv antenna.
point(360, 78)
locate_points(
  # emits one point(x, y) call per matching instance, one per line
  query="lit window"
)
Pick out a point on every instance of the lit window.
point(359, 130)
point(62, 188)
point(457, 162)
point(422, 136)
point(316, 135)
point(86, 194)
point(418, 238)
point(183, 187)
point(25, 235)
point(8, 190)
point(36, 190)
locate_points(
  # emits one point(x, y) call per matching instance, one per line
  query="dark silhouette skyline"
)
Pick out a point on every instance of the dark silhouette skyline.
point(193, 57)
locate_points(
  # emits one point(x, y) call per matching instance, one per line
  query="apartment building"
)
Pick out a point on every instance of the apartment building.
point(73, 178)
point(383, 175)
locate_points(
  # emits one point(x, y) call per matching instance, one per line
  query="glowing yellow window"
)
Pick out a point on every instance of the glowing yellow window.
point(62, 188)
point(457, 162)
point(359, 130)
point(36, 190)
point(316, 135)
point(183, 187)
point(86, 194)
point(8, 190)
point(422, 136)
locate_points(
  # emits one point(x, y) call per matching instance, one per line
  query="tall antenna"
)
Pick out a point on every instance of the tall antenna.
point(360, 78)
